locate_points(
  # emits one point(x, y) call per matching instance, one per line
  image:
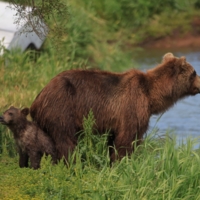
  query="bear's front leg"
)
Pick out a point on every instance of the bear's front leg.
point(124, 144)
point(23, 158)
point(121, 150)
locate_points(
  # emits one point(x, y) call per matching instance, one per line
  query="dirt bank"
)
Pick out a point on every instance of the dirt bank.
point(177, 38)
point(188, 40)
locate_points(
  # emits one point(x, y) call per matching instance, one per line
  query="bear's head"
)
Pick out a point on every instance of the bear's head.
point(13, 116)
point(185, 79)
point(175, 77)
point(171, 81)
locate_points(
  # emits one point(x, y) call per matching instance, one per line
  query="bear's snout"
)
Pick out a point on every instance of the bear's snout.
point(196, 85)
point(1, 119)
point(199, 83)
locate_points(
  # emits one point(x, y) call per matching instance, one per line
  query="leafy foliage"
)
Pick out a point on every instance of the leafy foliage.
point(129, 13)
point(33, 13)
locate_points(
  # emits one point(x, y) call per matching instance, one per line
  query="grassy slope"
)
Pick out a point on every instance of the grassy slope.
point(158, 171)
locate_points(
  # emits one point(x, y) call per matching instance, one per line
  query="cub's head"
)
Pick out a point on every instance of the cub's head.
point(185, 79)
point(14, 116)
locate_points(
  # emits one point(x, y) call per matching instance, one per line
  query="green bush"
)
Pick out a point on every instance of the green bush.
point(129, 12)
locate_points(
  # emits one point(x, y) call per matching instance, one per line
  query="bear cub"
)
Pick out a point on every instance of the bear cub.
point(31, 141)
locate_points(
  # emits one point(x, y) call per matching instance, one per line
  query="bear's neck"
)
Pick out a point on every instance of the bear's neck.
point(161, 93)
point(18, 129)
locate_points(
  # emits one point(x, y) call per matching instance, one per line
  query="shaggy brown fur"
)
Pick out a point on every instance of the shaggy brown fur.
point(32, 142)
point(121, 103)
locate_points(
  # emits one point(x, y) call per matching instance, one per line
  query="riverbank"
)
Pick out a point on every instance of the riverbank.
point(175, 41)
point(174, 30)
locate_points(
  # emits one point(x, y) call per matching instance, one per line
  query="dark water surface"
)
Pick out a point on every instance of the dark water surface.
point(184, 117)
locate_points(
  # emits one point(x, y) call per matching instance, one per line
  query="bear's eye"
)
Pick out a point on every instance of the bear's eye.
point(193, 74)
point(11, 114)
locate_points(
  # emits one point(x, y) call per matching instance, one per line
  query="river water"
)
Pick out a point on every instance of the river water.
point(183, 119)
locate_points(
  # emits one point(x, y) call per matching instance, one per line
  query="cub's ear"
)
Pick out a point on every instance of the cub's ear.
point(25, 111)
point(167, 57)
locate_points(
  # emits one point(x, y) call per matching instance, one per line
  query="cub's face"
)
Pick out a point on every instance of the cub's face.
point(13, 116)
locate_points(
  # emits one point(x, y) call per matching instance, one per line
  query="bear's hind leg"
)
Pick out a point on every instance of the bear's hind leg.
point(65, 151)
point(52, 153)
point(35, 158)
point(65, 147)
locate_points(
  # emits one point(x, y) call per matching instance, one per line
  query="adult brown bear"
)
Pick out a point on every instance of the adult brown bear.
point(121, 102)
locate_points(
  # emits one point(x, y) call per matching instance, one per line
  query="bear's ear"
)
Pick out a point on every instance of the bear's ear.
point(183, 60)
point(25, 111)
point(167, 56)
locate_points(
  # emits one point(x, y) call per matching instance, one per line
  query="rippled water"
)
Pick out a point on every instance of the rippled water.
point(184, 117)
